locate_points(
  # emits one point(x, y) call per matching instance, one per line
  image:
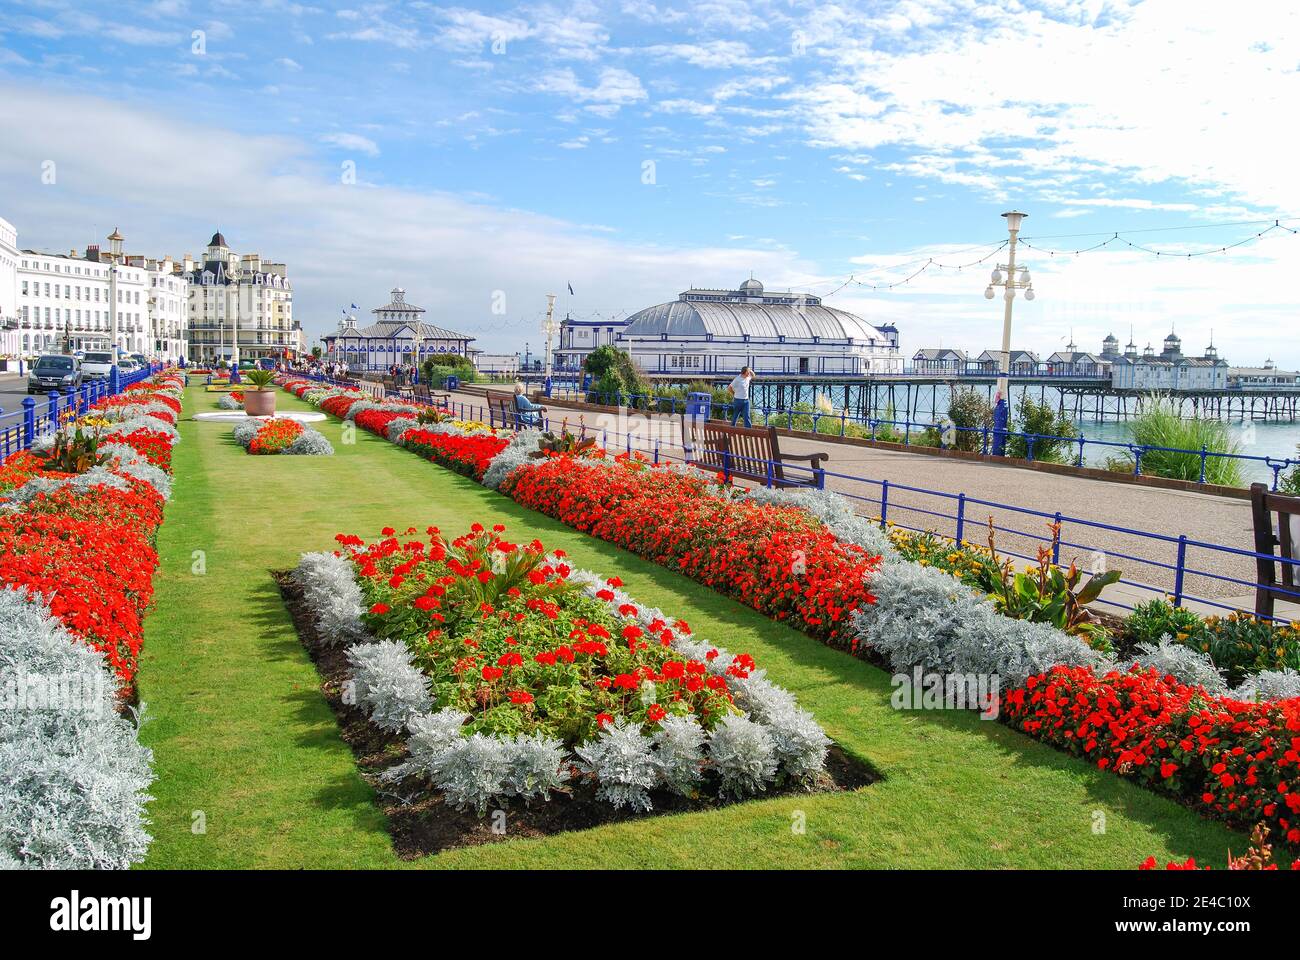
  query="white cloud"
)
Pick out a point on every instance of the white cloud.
point(341, 243)
point(1155, 92)
point(711, 54)
point(288, 64)
point(352, 141)
point(615, 87)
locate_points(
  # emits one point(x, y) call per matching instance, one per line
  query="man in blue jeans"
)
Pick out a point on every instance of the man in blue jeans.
point(739, 390)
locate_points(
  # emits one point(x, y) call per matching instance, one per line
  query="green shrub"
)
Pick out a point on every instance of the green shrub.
point(1159, 618)
point(1238, 644)
point(1041, 420)
point(971, 413)
point(614, 372)
point(1160, 426)
point(1290, 482)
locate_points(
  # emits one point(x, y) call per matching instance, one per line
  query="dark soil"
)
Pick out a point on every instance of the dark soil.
point(421, 823)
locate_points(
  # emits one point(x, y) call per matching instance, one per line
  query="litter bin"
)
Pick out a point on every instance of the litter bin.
point(699, 405)
point(452, 383)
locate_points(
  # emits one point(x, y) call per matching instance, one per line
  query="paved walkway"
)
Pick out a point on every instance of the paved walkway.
point(1149, 561)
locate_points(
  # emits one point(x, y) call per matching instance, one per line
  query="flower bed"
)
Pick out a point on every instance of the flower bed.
point(807, 558)
point(546, 679)
point(281, 435)
point(467, 455)
point(1239, 762)
point(777, 560)
point(76, 565)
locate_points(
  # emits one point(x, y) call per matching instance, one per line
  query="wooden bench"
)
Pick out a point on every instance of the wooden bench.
point(501, 409)
point(750, 453)
point(372, 388)
point(1280, 542)
point(422, 394)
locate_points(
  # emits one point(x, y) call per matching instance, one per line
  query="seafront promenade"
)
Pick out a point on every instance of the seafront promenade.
point(858, 471)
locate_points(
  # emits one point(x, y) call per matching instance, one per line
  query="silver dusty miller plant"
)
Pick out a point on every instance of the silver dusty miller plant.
point(387, 685)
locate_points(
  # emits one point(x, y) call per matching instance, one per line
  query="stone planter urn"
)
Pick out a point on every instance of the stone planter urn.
point(259, 403)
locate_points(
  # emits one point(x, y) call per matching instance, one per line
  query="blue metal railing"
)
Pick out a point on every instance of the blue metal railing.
point(19, 428)
point(946, 435)
point(1174, 558)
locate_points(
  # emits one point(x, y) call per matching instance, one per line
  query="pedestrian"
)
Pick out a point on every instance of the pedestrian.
point(739, 390)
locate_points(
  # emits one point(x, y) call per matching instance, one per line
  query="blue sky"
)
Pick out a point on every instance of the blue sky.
point(633, 149)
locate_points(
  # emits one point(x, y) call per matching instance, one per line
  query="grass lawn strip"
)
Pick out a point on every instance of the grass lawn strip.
point(248, 750)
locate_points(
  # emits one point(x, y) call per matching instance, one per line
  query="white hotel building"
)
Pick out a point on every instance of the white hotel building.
point(240, 306)
point(9, 307)
point(68, 301)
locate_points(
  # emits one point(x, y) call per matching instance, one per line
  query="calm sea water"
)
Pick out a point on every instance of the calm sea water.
point(1256, 438)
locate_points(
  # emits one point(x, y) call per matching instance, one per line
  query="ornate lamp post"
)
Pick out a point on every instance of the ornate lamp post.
point(1009, 281)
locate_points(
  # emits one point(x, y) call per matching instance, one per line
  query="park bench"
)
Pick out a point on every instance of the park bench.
point(372, 388)
point(501, 409)
point(748, 453)
point(422, 394)
point(1278, 542)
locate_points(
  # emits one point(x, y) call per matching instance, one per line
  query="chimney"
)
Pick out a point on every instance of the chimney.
point(92, 252)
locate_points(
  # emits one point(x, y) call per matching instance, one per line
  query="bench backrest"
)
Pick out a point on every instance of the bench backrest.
point(501, 406)
point(372, 388)
point(752, 453)
point(1272, 584)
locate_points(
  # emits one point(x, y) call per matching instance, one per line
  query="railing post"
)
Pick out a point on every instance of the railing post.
point(884, 502)
point(1029, 446)
point(1056, 542)
point(1082, 441)
point(29, 422)
point(1137, 461)
point(1179, 570)
point(54, 408)
point(961, 517)
point(1203, 455)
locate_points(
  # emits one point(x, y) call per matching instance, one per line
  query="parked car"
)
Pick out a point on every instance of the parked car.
point(127, 365)
point(96, 365)
point(54, 372)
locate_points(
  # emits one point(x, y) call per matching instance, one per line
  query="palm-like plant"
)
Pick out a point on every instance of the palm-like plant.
point(260, 379)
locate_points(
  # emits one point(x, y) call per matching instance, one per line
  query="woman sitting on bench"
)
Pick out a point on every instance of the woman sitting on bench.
point(528, 413)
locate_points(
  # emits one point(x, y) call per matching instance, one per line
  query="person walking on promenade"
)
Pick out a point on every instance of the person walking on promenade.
point(739, 390)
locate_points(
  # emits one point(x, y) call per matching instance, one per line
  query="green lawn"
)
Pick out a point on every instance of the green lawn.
point(243, 738)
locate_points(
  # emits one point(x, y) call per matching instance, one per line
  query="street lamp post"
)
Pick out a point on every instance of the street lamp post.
point(1010, 283)
point(549, 328)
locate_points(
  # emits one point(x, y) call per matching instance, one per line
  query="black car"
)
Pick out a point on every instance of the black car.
point(54, 372)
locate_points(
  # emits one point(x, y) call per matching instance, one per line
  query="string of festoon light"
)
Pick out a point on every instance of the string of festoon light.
point(1112, 239)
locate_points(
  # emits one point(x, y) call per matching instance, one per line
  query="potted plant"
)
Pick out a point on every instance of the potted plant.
point(259, 397)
